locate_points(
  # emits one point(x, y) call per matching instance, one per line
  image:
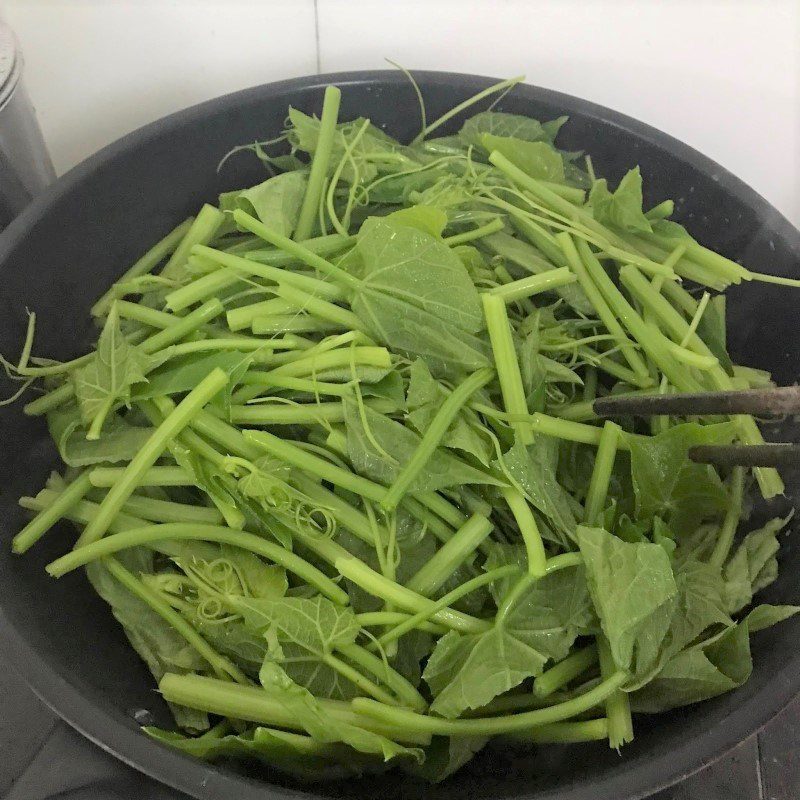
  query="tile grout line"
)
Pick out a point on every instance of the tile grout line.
point(316, 36)
point(759, 773)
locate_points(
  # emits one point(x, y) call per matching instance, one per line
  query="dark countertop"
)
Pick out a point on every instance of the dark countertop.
point(39, 760)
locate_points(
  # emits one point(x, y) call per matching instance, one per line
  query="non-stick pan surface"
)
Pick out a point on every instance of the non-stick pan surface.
point(70, 244)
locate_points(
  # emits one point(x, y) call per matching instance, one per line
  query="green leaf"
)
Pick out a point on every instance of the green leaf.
point(623, 207)
point(668, 484)
point(108, 377)
point(400, 444)
point(424, 218)
point(317, 625)
point(467, 671)
point(446, 755)
point(700, 603)
point(292, 753)
point(537, 159)
point(183, 374)
point(698, 673)
point(158, 644)
point(321, 726)
point(634, 593)
point(120, 441)
point(753, 566)
point(276, 201)
point(534, 470)
point(500, 123)
point(765, 616)
point(408, 264)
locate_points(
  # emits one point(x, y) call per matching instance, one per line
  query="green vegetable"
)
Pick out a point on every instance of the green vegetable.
point(334, 466)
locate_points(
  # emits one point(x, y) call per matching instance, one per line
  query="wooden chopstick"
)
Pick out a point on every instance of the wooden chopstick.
point(780, 454)
point(776, 401)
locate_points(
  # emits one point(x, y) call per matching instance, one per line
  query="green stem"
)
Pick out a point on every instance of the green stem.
point(377, 619)
point(328, 245)
point(221, 665)
point(291, 323)
point(601, 474)
point(489, 726)
point(444, 417)
point(183, 327)
point(319, 163)
point(105, 477)
point(147, 316)
point(51, 514)
point(571, 431)
point(47, 402)
point(535, 284)
point(243, 317)
point(559, 675)
point(266, 707)
point(301, 414)
point(443, 508)
point(200, 288)
point(154, 510)
point(363, 683)
point(476, 233)
point(147, 263)
point(379, 586)
point(476, 98)
point(618, 707)
point(150, 452)
point(534, 547)
point(421, 618)
point(82, 512)
point(201, 231)
point(604, 311)
point(769, 480)
point(590, 730)
point(245, 266)
point(506, 363)
point(733, 514)
point(404, 690)
point(296, 250)
point(318, 307)
point(450, 556)
point(206, 533)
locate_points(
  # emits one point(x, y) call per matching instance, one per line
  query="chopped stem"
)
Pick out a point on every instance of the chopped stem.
point(151, 534)
point(431, 439)
point(476, 233)
point(319, 163)
point(618, 707)
point(590, 730)
point(300, 414)
point(563, 673)
point(505, 356)
point(359, 680)
point(105, 477)
point(534, 284)
point(51, 514)
point(370, 619)
point(601, 474)
point(296, 250)
point(722, 547)
point(147, 316)
point(265, 706)
point(534, 547)
point(150, 452)
point(490, 726)
point(201, 231)
point(320, 308)
point(450, 556)
point(183, 327)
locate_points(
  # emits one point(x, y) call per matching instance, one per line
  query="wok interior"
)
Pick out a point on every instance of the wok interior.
point(95, 229)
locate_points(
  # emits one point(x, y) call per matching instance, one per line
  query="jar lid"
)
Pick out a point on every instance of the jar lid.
point(10, 63)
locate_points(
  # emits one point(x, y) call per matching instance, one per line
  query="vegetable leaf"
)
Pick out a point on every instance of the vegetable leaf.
point(537, 159)
point(634, 593)
point(499, 123)
point(623, 207)
point(276, 201)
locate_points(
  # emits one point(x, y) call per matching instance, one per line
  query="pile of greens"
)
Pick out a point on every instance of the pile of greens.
point(335, 467)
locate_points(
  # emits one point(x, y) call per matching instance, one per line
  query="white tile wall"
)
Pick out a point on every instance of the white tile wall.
point(723, 75)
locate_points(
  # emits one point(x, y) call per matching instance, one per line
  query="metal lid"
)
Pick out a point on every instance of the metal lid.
point(10, 63)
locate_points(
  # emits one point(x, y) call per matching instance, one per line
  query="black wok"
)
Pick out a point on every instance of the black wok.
point(71, 243)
